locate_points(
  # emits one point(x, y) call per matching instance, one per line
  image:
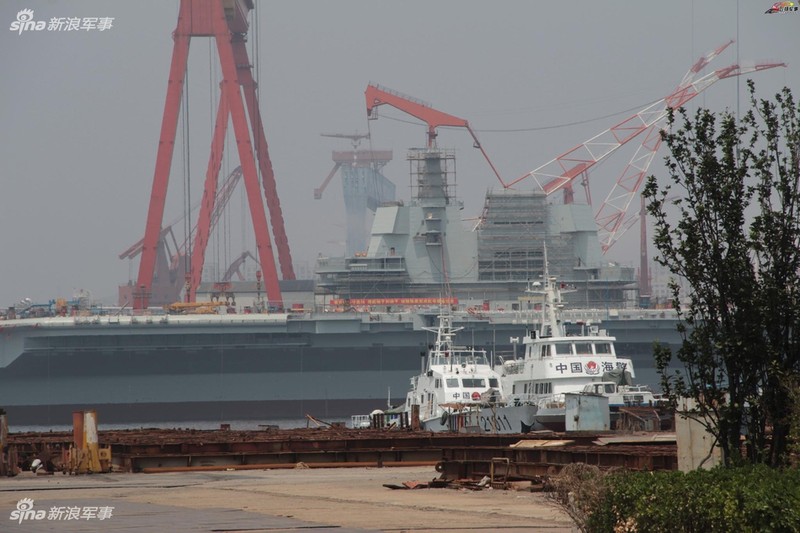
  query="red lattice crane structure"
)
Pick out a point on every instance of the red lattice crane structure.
point(611, 216)
point(226, 22)
point(560, 172)
point(377, 95)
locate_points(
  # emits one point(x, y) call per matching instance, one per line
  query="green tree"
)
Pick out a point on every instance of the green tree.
point(733, 235)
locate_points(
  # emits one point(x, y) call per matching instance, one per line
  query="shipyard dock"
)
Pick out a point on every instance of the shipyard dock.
point(296, 479)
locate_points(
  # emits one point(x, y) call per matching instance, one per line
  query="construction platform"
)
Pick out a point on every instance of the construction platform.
point(454, 455)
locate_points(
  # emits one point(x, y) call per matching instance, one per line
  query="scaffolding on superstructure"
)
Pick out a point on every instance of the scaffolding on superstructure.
point(513, 231)
point(432, 175)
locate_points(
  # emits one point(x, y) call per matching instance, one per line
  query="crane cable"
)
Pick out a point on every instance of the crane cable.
point(257, 132)
point(536, 128)
point(211, 100)
point(187, 190)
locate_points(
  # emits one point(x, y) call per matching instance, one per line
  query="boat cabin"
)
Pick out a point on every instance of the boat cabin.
point(572, 346)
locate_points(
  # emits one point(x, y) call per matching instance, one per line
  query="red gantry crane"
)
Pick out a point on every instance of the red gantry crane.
point(226, 22)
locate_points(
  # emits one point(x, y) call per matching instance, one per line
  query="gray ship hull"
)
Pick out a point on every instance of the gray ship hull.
point(237, 367)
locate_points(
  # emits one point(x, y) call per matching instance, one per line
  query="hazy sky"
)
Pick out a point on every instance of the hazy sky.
point(81, 111)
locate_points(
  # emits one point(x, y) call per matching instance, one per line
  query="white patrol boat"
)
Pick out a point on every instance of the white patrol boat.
point(555, 363)
point(458, 390)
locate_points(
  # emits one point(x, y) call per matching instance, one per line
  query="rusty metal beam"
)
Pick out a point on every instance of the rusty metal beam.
point(284, 466)
point(458, 455)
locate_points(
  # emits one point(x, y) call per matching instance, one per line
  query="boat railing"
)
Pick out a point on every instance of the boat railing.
point(549, 401)
point(542, 401)
point(360, 421)
point(460, 359)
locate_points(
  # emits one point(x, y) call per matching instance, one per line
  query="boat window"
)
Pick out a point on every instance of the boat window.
point(602, 347)
point(452, 382)
point(583, 348)
point(545, 350)
point(633, 399)
point(610, 388)
point(438, 383)
point(563, 348)
point(473, 382)
point(493, 383)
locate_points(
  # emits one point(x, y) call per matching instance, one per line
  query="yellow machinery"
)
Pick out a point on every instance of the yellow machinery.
point(193, 308)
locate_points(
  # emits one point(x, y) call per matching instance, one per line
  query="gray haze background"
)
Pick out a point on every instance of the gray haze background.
point(81, 111)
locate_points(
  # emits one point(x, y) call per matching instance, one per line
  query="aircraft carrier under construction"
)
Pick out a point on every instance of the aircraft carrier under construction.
point(350, 339)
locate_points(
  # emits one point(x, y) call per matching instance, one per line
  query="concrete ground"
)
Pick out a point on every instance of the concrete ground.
point(342, 500)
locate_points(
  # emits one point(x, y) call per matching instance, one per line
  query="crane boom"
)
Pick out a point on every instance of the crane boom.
point(561, 170)
point(355, 138)
point(377, 95)
point(222, 197)
point(610, 216)
point(235, 266)
point(319, 190)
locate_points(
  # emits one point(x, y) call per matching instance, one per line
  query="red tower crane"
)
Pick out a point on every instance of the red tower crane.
point(377, 95)
point(226, 22)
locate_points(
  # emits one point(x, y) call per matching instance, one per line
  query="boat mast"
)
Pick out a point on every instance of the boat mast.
point(550, 325)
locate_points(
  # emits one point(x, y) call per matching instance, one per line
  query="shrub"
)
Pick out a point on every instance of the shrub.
point(578, 490)
point(748, 499)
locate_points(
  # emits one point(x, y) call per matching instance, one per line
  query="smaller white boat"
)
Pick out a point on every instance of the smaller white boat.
point(620, 392)
point(458, 390)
